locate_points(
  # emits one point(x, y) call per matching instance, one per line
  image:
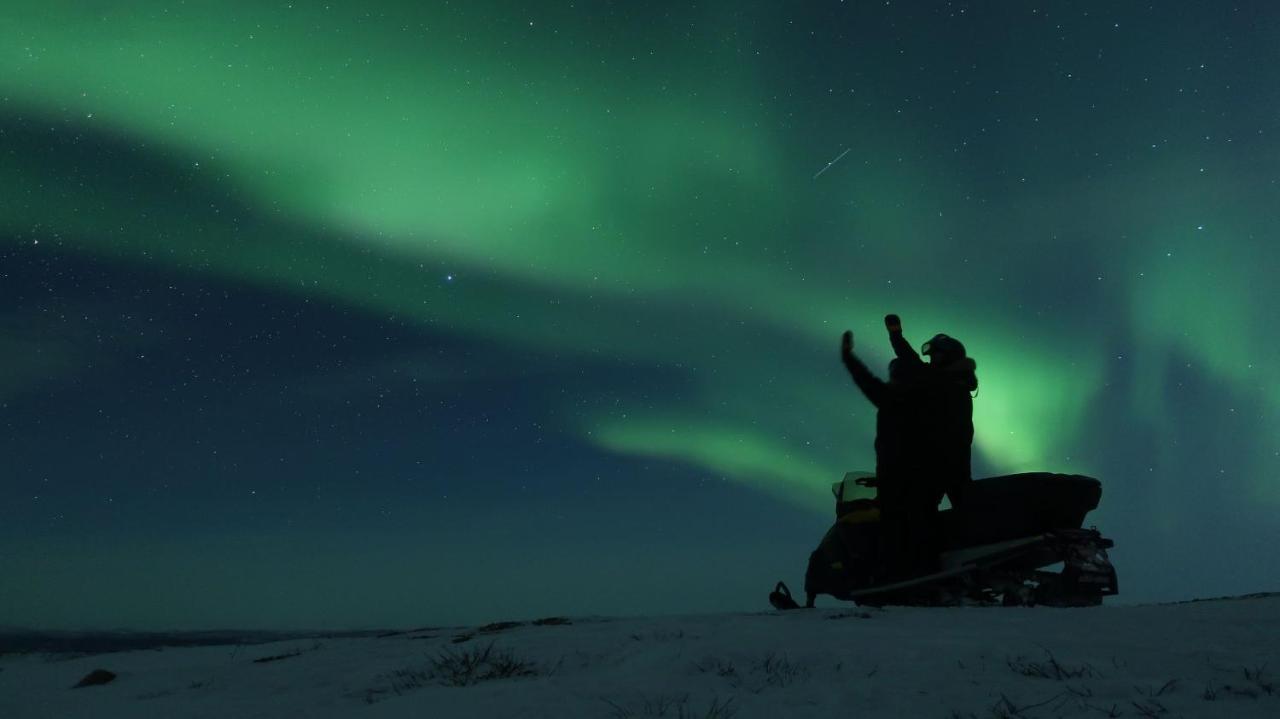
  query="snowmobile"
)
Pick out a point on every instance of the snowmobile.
point(999, 546)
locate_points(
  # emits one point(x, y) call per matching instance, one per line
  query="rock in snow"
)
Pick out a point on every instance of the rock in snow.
point(94, 678)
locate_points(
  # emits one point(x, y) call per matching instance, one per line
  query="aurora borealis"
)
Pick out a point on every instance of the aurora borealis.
point(368, 314)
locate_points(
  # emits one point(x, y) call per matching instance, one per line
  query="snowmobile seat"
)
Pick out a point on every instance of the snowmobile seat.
point(998, 509)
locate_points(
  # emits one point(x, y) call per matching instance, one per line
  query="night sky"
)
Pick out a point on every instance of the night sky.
point(355, 314)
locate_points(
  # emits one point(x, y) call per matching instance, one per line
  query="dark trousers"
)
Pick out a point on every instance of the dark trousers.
point(910, 539)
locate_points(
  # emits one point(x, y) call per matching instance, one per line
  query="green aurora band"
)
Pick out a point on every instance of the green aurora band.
point(649, 198)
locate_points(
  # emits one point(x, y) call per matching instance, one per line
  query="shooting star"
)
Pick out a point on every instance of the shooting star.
point(829, 164)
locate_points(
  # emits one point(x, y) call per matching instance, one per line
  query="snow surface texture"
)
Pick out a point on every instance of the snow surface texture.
point(1218, 658)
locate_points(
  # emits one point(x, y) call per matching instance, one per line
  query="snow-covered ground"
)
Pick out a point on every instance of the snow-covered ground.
point(1218, 658)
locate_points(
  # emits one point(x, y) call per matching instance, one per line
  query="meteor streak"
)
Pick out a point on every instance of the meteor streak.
point(829, 164)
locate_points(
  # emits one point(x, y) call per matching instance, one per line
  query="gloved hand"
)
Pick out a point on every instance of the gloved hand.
point(892, 323)
point(846, 345)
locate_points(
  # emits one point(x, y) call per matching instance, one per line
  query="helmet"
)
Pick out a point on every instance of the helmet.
point(943, 349)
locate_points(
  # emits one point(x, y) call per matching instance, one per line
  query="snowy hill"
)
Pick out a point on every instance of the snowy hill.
point(1215, 658)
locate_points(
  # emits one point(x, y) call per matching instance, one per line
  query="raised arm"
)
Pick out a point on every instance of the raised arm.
point(901, 347)
point(872, 387)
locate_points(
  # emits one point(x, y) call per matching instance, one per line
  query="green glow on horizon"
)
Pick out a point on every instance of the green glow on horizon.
point(758, 460)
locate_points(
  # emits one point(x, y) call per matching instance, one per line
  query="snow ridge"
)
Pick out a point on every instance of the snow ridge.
point(1207, 658)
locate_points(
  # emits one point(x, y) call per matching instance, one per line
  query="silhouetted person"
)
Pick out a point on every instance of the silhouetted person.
point(939, 411)
point(924, 432)
point(901, 486)
point(888, 402)
point(951, 378)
